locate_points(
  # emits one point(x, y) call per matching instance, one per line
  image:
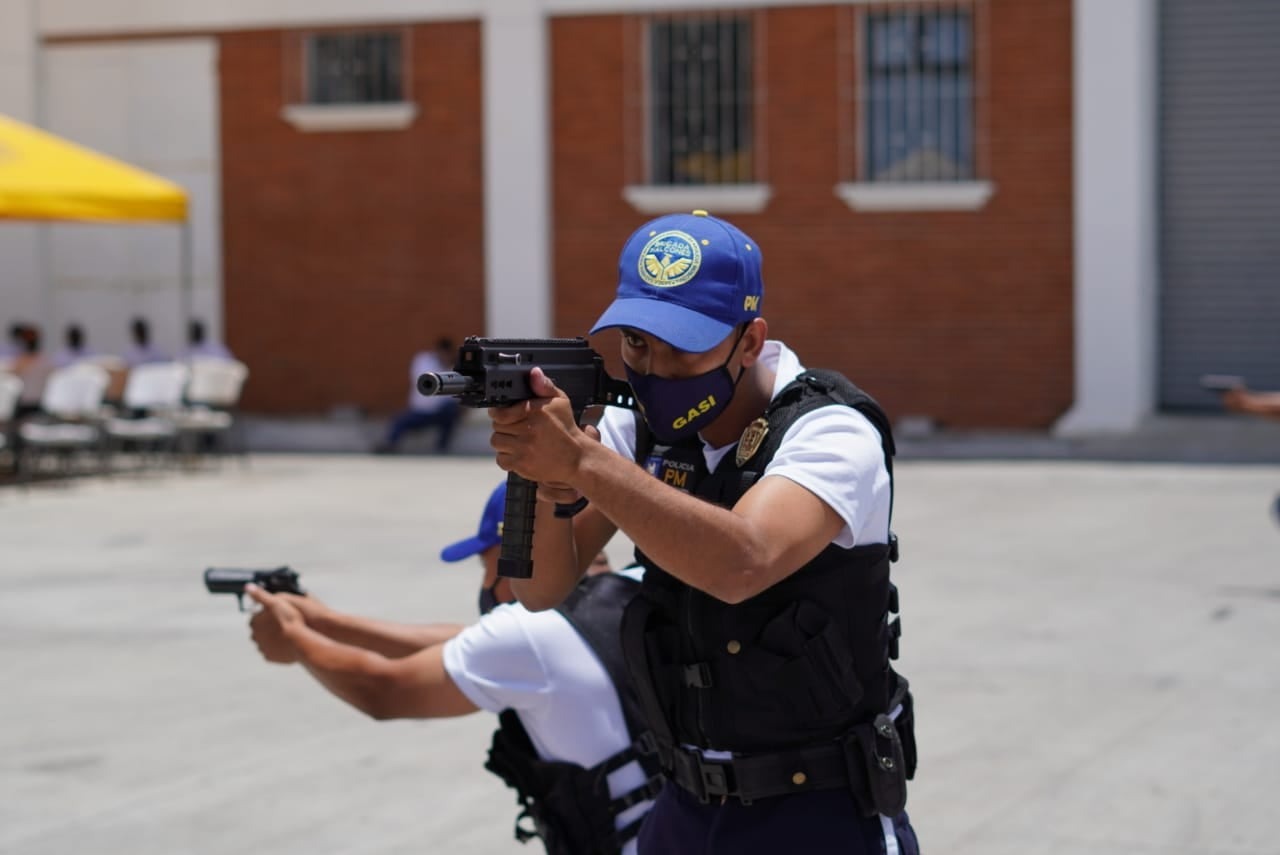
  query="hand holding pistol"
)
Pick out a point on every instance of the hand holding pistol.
point(231, 580)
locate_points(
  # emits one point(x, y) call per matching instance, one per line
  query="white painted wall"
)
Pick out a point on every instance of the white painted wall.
point(20, 294)
point(517, 170)
point(154, 104)
point(1116, 226)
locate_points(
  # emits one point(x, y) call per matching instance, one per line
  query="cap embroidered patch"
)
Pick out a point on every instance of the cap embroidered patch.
point(669, 259)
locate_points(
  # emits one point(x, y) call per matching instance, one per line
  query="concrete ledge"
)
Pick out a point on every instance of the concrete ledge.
point(355, 435)
point(1174, 438)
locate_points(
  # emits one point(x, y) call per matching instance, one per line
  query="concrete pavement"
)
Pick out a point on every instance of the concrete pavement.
point(1095, 649)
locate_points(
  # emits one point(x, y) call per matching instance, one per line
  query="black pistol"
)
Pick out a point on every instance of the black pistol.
point(494, 372)
point(231, 580)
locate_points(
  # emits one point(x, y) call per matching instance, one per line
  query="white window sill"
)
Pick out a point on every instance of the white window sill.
point(350, 117)
point(916, 195)
point(715, 198)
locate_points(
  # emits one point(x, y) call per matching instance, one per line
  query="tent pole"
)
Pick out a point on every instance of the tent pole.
point(185, 282)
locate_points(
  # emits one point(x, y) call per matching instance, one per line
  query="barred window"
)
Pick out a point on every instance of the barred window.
point(700, 99)
point(918, 95)
point(354, 68)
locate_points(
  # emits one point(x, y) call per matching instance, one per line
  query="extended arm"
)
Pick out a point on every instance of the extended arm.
point(1258, 403)
point(413, 686)
point(387, 638)
point(390, 639)
point(732, 554)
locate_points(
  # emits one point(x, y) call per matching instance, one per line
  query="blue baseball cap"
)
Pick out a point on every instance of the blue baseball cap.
point(489, 533)
point(687, 279)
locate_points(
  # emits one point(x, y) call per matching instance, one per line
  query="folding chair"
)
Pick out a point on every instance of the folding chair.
point(117, 373)
point(153, 393)
point(10, 392)
point(212, 395)
point(70, 409)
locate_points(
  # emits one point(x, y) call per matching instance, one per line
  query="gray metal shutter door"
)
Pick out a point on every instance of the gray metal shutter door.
point(1220, 188)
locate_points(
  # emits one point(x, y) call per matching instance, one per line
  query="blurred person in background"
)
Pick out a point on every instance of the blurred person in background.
point(141, 351)
point(1265, 404)
point(424, 412)
point(32, 366)
point(556, 679)
point(73, 349)
point(198, 345)
point(1256, 403)
point(11, 346)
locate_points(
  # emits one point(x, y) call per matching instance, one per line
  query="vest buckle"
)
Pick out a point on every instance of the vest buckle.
point(716, 777)
point(705, 779)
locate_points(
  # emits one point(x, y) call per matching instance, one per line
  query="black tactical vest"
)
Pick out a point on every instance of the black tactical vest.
point(566, 805)
point(802, 664)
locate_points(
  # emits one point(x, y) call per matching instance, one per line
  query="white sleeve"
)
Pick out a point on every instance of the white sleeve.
point(834, 452)
point(618, 431)
point(494, 663)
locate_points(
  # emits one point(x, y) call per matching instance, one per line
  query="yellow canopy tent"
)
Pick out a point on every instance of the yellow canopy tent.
point(44, 177)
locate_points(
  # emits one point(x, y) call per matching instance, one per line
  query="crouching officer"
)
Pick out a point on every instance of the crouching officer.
point(761, 645)
point(570, 739)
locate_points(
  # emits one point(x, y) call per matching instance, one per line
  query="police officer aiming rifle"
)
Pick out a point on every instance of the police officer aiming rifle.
point(758, 495)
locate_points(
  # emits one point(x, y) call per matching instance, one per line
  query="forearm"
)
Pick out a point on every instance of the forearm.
point(390, 639)
point(705, 546)
point(1264, 403)
point(350, 673)
point(562, 550)
point(556, 568)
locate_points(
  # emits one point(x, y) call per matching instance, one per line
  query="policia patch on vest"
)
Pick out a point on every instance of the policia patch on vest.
point(680, 466)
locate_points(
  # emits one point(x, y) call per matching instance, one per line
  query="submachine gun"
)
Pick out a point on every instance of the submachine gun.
point(494, 372)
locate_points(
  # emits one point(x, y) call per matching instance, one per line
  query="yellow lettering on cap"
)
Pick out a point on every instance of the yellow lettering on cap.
point(700, 213)
point(751, 303)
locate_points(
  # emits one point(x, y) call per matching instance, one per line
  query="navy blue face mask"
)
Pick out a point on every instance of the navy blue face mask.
point(677, 408)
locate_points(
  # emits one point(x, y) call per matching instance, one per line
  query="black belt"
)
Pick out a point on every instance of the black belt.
point(746, 778)
point(868, 761)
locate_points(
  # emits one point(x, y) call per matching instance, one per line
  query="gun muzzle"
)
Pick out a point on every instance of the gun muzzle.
point(224, 580)
point(446, 383)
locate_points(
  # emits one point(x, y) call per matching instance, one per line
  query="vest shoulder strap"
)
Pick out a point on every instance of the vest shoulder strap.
point(812, 389)
point(820, 387)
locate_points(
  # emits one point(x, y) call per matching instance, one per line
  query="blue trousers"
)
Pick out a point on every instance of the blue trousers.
point(817, 823)
point(412, 420)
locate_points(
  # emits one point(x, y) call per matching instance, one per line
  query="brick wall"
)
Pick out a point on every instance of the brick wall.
point(347, 252)
point(962, 316)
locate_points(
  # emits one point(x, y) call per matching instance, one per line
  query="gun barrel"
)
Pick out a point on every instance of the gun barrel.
point(225, 580)
point(447, 383)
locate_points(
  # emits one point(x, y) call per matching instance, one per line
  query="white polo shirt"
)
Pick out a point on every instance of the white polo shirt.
point(537, 664)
